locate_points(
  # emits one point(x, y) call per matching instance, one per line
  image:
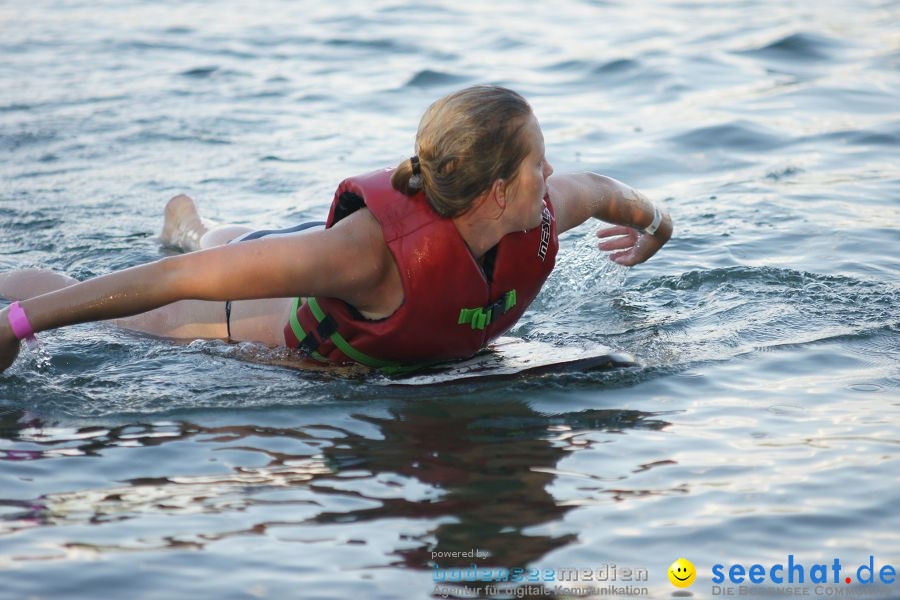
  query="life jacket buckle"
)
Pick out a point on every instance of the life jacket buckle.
point(323, 331)
point(482, 316)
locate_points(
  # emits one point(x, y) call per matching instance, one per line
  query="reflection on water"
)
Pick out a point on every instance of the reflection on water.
point(480, 471)
point(489, 464)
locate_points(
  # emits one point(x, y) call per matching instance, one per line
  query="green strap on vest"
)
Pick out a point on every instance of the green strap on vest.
point(479, 318)
point(482, 316)
point(298, 330)
point(386, 367)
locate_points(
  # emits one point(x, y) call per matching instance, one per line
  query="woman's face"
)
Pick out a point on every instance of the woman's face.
point(525, 196)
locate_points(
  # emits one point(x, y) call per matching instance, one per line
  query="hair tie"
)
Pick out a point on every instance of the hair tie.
point(415, 181)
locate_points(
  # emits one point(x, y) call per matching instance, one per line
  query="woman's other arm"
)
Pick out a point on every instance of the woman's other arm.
point(349, 261)
point(579, 196)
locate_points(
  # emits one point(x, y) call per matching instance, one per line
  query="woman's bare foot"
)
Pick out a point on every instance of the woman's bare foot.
point(182, 225)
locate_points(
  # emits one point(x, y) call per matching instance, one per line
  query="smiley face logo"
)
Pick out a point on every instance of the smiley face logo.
point(682, 573)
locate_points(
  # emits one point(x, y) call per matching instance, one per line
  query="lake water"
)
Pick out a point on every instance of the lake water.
point(762, 423)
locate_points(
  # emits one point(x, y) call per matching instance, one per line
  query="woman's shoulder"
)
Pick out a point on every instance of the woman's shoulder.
point(374, 286)
point(573, 195)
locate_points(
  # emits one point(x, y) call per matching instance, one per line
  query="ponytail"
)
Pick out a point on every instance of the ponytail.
point(465, 142)
point(408, 177)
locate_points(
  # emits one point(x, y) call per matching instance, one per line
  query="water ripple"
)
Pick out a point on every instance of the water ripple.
point(740, 135)
point(428, 78)
point(799, 47)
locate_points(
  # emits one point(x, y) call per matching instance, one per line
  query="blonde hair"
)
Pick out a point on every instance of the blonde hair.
point(465, 142)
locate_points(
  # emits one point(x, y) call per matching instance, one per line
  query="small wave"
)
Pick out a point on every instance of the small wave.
point(200, 72)
point(14, 141)
point(505, 43)
point(741, 135)
point(616, 71)
point(429, 78)
point(889, 136)
point(386, 45)
point(274, 158)
point(145, 46)
point(783, 173)
point(212, 71)
point(693, 280)
point(775, 305)
point(48, 172)
point(31, 222)
point(567, 65)
point(618, 65)
point(869, 138)
point(16, 106)
point(642, 78)
point(66, 102)
point(179, 30)
point(142, 137)
point(261, 95)
point(797, 46)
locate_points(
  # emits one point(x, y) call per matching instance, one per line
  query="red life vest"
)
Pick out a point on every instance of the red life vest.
point(450, 310)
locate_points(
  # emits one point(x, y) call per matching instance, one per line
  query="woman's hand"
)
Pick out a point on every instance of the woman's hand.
point(636, 246)
point(9, 344)
point(580, 196)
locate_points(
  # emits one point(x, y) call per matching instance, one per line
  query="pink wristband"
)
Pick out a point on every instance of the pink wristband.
point(18, 321)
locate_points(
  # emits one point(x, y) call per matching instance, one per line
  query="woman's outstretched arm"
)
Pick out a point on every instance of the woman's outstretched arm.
point(348, 261)
point(579, 196)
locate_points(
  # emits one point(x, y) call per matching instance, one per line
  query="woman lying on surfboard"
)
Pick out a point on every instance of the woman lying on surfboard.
point(425, 262)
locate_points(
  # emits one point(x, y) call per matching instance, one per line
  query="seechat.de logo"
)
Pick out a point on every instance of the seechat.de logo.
point(682, 573)
point(798, 572)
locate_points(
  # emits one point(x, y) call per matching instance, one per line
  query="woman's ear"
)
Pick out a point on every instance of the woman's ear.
point(498, 194)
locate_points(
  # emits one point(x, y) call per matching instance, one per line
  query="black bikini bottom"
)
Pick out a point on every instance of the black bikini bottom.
point(254, 235)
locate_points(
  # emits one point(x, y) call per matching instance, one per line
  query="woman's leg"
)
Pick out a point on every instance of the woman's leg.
point(188, 319)
point(182, 226)
point(264, 320)
point(260, 320)
point(251, 320)
point(255, 320)
point(28, 283)
point(184, 229)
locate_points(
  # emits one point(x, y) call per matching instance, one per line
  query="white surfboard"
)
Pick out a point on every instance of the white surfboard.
point(510, 357)
point(506, 358)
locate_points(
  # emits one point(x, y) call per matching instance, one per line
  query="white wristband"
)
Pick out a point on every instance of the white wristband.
point(652, 227)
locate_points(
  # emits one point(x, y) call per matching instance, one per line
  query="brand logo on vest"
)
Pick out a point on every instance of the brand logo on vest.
point(545, 234)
